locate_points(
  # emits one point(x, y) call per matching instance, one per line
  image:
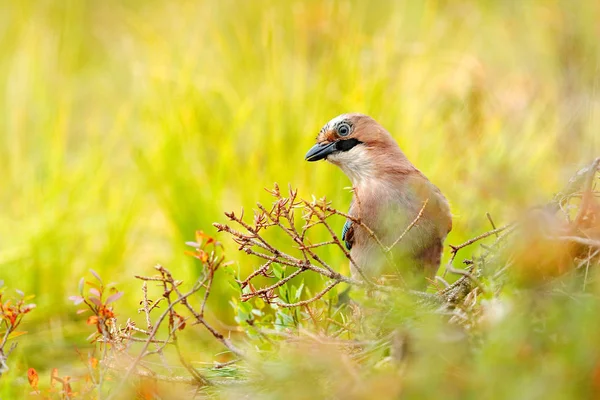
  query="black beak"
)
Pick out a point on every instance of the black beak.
point(320, 151)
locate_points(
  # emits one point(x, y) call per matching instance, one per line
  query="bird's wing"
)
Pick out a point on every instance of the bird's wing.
point(348, 234)
point(438, 209)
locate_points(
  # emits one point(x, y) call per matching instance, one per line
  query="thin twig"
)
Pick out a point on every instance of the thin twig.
point(469, 242)
point(330, 286)
point(144, 349)
point(281, 282)
point(321, 218)
point(467, 274)
point(410, 226)
point(199, 318)
point(580, 240)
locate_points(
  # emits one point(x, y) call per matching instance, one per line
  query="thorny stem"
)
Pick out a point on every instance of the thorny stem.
point(280, 257)
point(410, 226)
point(369, 231)
point(211, 275)
point(260, 271)
point(267, 289)
point(338, 242)
point(330, 286)
point(580, 240)
point(146, 309)
point(469, 242)
point(294, 235)
point(153, 333)
point(199, 318)
point(167, 278)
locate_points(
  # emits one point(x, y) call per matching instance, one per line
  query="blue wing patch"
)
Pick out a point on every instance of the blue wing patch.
point(347, 234)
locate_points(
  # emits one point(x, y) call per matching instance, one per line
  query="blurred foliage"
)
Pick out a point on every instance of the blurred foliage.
point(127, 125)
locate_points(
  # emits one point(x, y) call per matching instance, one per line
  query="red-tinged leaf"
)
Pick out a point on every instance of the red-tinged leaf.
point(92, 284)
point(96, 292)
point(82, 311)
point(16, 334)
point(96, 301)
point(181, 322)
point(202, 255)
point(76, 299)
point(33, 378)
point(28, 308)
point(93, 362)
point(114, 297)
point(200, 235)
point(92, 320)
point(96, 275)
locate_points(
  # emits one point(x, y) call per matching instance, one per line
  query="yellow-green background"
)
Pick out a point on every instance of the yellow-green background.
point(127, 125)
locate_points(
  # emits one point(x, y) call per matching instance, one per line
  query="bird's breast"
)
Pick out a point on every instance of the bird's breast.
point(387, 214)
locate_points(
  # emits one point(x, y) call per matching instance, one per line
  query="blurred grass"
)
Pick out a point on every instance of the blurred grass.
point(129, 124)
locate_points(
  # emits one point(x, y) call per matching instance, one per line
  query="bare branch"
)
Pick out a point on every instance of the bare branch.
point(322, 293)
point(580, 240)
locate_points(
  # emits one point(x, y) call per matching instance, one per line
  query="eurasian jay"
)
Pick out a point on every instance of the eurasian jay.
point(389, 194)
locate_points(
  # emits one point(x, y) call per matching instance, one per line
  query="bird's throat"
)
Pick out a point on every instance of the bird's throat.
point(356, 164)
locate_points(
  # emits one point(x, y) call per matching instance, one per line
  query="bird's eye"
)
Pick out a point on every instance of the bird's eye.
point(344, 129)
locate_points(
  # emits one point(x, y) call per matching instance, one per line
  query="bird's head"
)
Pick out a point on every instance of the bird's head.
point(356, 143)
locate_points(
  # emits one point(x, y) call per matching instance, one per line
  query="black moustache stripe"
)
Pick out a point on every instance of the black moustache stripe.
point(347, 144)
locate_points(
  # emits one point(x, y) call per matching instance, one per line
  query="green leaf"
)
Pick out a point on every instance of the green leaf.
point(246, 307)
point(283, 320)
point(233, 284)
point(243, 316)
point(16, 334)
point(246, 290)
point(333, 294)
point(298, 292)
point(278, 271)
point(258, 313)
point(259, 303)
point(284, 293)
